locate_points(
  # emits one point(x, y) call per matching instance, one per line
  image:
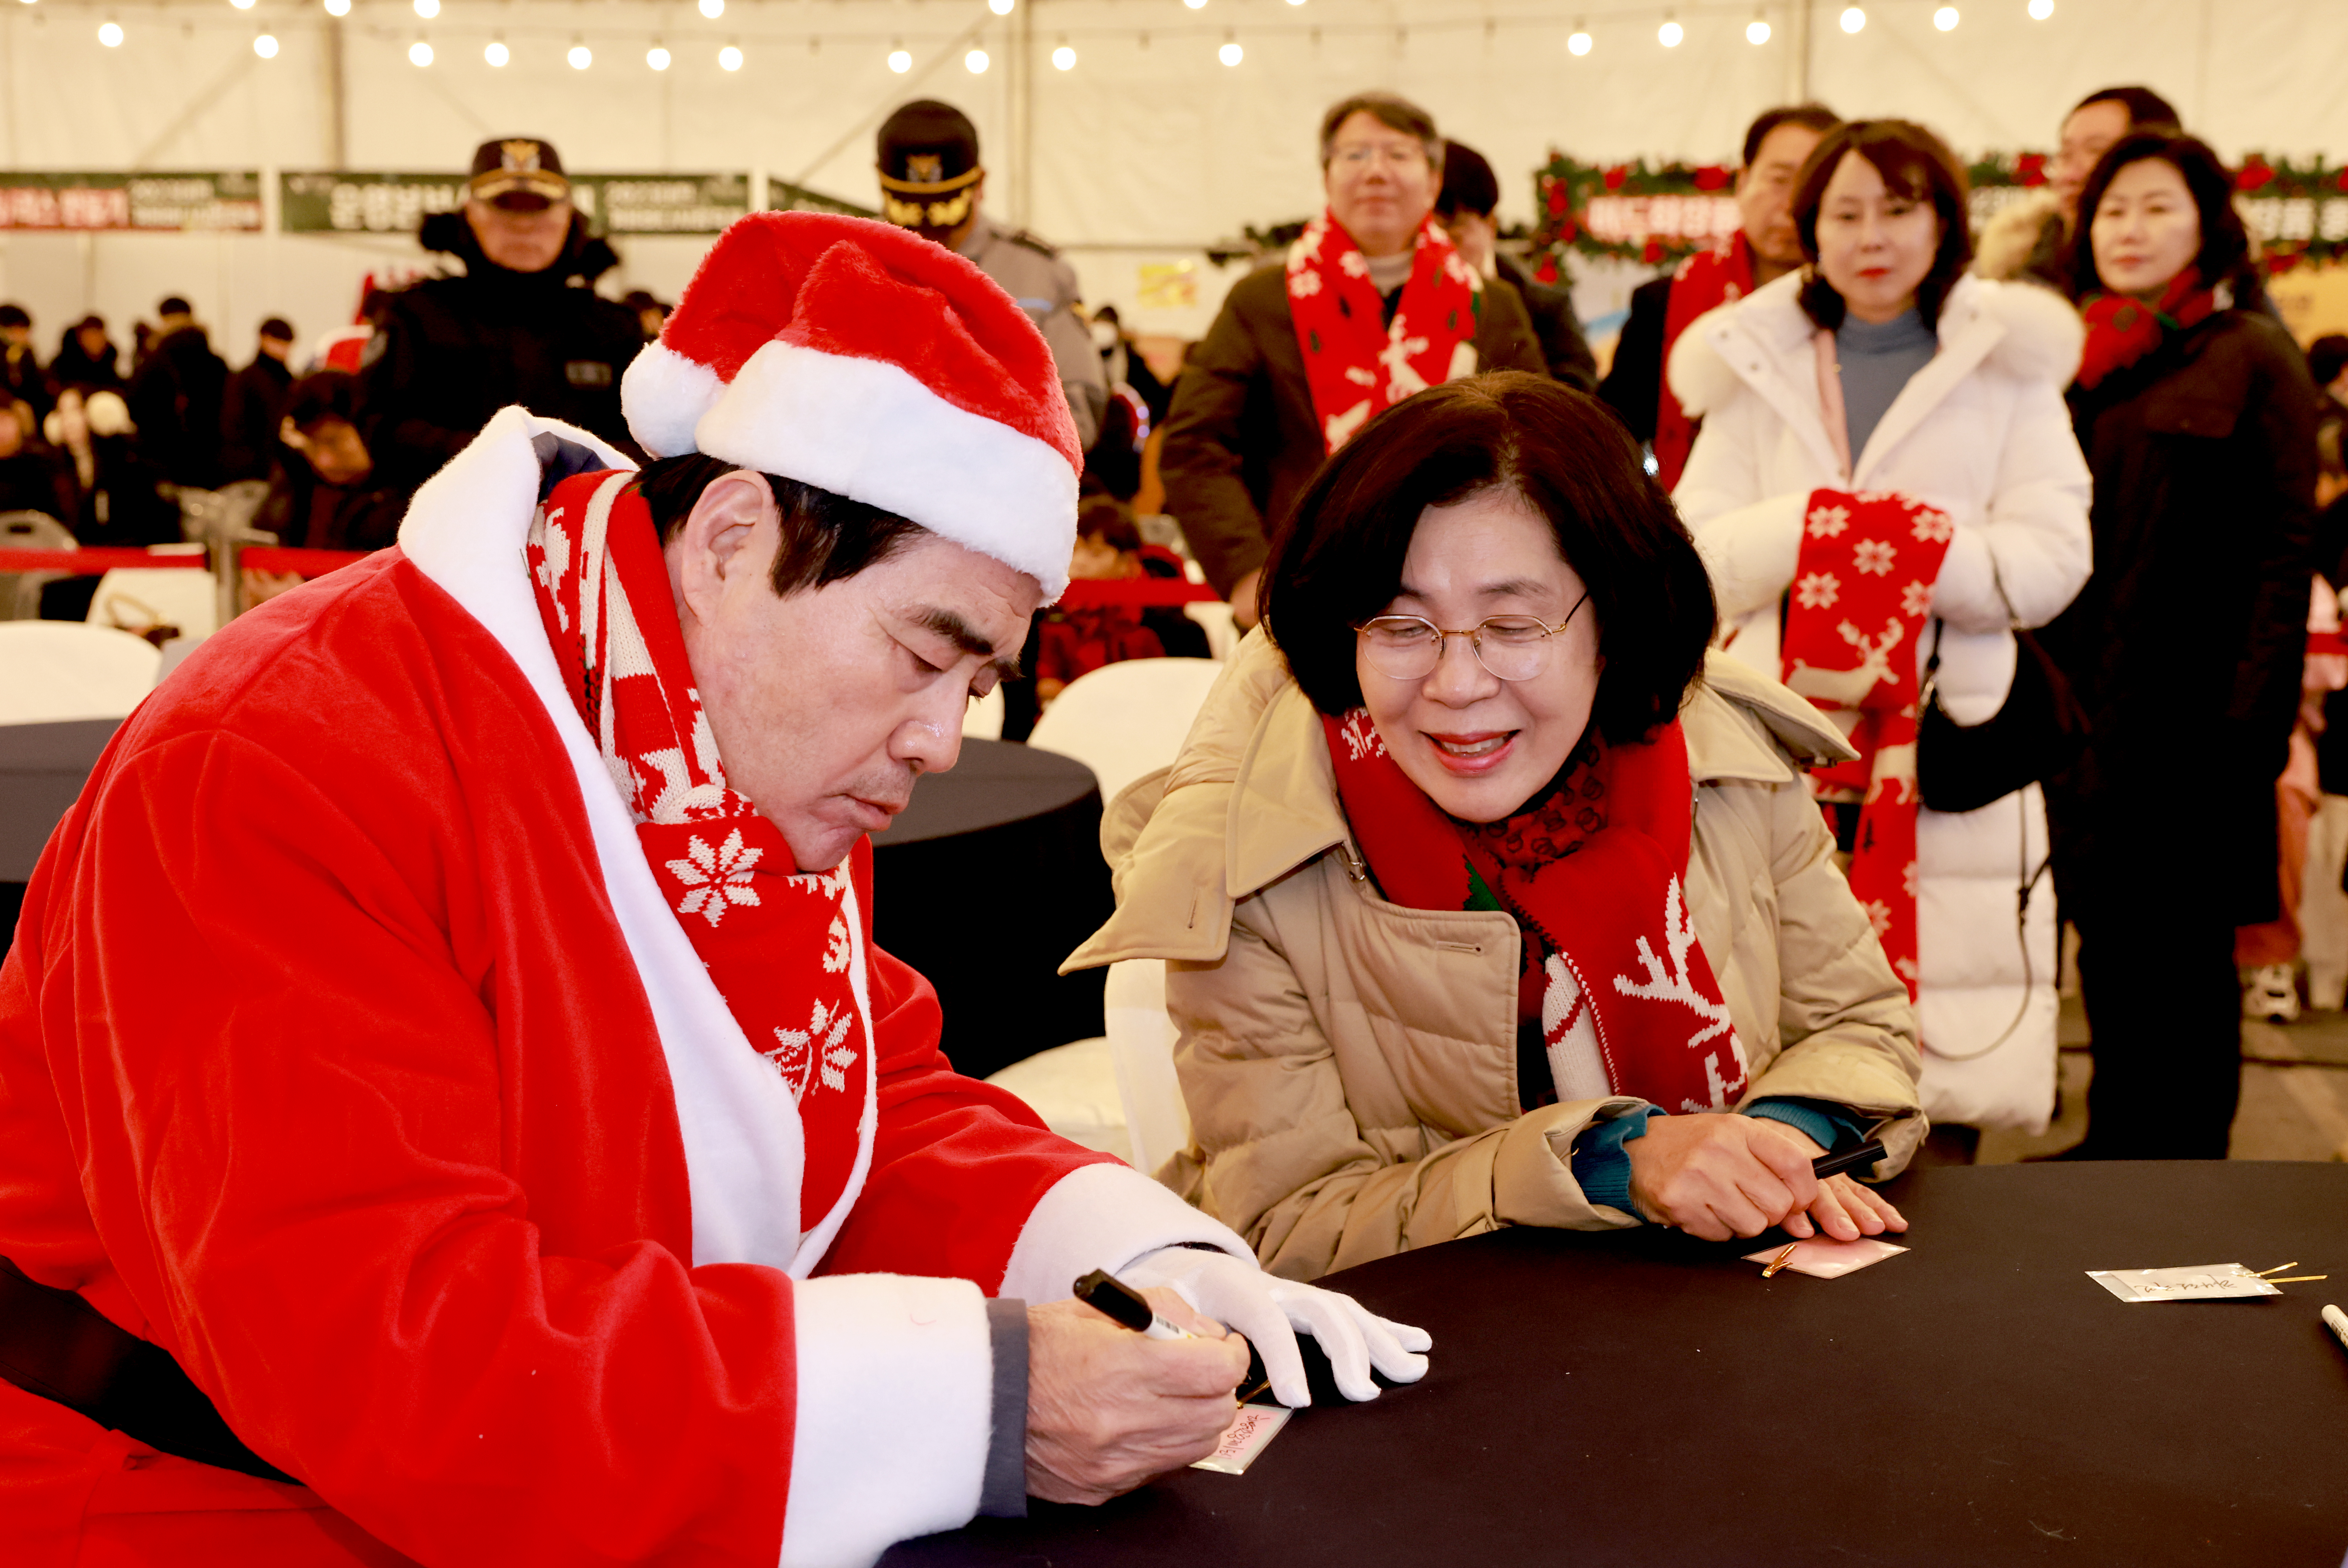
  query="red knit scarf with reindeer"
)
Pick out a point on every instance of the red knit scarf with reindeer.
point(1862, 588)
point(1354, 365)
point(785, 950)
point(1592, 870)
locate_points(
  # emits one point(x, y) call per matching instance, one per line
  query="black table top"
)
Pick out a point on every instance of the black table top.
point(42, 770)
point(1639, 1398)
point(994, 782)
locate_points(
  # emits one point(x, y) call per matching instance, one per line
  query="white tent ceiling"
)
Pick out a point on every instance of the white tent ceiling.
point(1146, 150)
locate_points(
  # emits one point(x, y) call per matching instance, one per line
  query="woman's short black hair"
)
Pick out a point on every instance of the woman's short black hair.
point(1338, 560)
point(1915, 164)
point(827, 537)
point(2225, 256)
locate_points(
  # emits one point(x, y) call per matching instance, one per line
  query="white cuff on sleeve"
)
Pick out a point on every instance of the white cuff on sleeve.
point(896, 1380)
point(1103, 1217)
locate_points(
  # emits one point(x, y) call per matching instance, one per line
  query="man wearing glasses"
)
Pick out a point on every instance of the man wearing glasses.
point(1371, 303)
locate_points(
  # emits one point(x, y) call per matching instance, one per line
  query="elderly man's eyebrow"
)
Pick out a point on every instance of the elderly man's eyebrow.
point(946, 623)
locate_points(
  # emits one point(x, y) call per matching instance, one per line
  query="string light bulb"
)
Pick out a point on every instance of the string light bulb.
point(109, 33)
point(900, 59)
point(497, 54)
point(1196, 5)
point(713, 9)
point(266, 45)
point(428, 9)
point(1230, 53)
point(729, 58)
point(657, 57)
point(338, 8)
point(1000, 7)
point(581, 56)
point(240, 4)
point(976, 62)
point(1945, 19)
point(2041, 9)
point(1578, 41)
point(1670, 33)
point(420, 54)
point(1064, 58)
point(1853, 19)
point(1756, 31)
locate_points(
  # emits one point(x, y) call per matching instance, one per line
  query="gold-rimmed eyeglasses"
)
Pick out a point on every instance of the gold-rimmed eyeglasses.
point(1510, 648)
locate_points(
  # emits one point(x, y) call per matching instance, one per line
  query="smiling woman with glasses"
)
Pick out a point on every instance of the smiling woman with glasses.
point(1488, 897)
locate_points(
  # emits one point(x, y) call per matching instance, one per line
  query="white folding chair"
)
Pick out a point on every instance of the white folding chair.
point(20, 591)
point(1214, 617)
point(1141, 1050)
point(136, 598)
point(53, 671)
point(1075, 1090)
point(1126, 719)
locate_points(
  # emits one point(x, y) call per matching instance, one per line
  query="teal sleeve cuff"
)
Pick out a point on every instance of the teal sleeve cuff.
point(1828, 1125)
point(1601, 1165)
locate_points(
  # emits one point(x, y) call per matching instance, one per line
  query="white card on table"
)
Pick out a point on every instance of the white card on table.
point(1826, 1259)
point(2197, 1281)
point(1250, 1431)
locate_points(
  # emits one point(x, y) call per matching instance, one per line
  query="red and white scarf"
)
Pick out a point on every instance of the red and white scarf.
point(1593, 873)
point(2122, 329)
point(1705, 280)
point(785, 950)
point(1862, 589)
point(1353, 365)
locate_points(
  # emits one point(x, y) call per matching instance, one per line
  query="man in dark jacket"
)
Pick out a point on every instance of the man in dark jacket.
point(176, 397)
point(256, 396)
point(1243, 436)
point(1764, 247)
point(1470, 194)
point(522, 325)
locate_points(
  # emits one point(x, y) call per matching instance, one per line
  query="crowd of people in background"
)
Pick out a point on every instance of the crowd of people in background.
point(2137, 476)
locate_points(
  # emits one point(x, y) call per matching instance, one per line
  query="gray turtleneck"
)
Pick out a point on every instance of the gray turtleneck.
point(1876, 362)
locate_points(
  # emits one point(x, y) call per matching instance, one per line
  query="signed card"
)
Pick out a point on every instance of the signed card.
point(1827, 1259)
point(1248, 1435)
point(2197, 1281)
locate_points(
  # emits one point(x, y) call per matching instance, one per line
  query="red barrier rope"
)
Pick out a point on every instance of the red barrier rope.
point(308, 563)
point(91, 563)
point(1132, 593)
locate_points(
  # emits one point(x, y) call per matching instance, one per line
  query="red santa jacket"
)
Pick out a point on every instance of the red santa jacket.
point(341, 1056)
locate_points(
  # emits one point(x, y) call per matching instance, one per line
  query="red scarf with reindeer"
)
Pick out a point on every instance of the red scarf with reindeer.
point(1354, 365)
point(1862, 588)
point(785, 949)
point(1592, 872)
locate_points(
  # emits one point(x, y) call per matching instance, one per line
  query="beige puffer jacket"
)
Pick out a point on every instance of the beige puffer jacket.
point(1351, 1064)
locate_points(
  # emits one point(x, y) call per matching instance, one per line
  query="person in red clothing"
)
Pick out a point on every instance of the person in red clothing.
point(451, 1109)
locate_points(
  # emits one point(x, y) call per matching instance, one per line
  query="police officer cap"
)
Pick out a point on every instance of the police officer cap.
point(927, 143)
point(519, 171)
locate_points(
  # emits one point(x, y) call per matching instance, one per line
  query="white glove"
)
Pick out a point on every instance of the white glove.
point(1243, 1296)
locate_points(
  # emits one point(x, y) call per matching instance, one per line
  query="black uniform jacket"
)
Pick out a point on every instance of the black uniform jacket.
point(451, 352)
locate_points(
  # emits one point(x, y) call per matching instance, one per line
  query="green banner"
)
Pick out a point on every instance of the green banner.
point(394, 203)
point(157, 203)
point(782, 196)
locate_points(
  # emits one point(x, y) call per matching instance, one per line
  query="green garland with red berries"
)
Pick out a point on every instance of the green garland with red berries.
point(2297, 211)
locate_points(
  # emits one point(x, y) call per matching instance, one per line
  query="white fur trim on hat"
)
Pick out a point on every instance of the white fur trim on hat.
point(663, 395)
point(869, 430)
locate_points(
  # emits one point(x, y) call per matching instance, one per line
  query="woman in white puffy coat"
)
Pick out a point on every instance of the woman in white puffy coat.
point(1977, 430)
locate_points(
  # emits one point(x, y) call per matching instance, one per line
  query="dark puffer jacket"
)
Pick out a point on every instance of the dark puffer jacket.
point(2186, 645)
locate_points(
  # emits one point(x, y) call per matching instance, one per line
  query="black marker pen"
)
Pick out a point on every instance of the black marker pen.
point(1105, 1292)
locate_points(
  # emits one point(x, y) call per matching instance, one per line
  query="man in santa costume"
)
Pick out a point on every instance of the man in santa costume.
point(450, 1107)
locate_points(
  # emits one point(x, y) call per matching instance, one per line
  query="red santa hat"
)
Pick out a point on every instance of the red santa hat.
point(862, 358)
